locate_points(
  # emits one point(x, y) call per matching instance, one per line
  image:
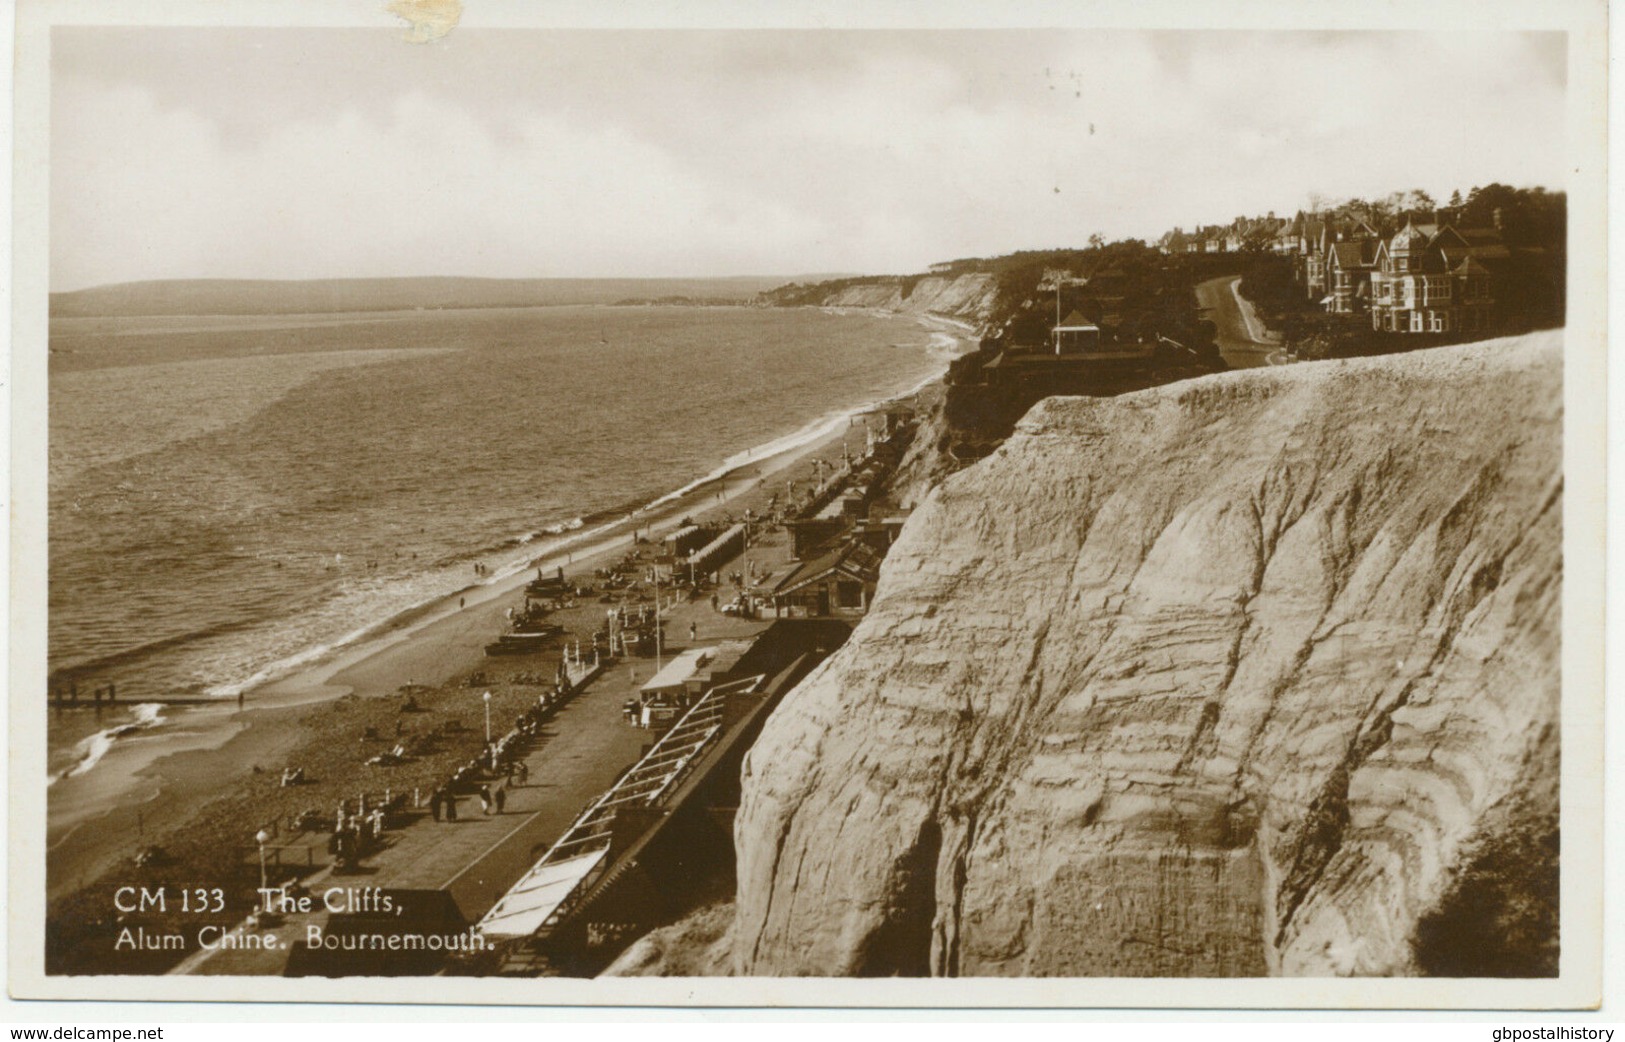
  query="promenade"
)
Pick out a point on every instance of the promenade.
point(578, 754)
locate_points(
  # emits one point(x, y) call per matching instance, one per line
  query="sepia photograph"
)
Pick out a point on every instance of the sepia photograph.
point(599, 510)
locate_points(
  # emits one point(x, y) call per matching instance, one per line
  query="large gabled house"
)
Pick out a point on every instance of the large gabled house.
point(1349, 264)
point(1336, 255)
point(1433, 279)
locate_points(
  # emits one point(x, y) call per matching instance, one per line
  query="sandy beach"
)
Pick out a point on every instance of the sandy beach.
point(197, 803)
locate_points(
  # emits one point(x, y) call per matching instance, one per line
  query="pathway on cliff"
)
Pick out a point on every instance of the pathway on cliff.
point(1240, 345)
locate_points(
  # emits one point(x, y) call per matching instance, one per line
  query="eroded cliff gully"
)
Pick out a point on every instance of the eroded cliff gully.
point(1248, 675)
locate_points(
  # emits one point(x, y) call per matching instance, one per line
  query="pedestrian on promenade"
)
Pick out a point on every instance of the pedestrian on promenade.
point(485, 799)
point(693, 631)
point(501, 798)
point(451, 805)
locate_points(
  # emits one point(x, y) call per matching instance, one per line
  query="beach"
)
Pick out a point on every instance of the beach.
point(200, 804)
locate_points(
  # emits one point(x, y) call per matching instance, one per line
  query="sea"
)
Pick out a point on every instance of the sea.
point(233, 497)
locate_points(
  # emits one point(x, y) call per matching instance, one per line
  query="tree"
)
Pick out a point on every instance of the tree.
point(1455, 198)
point(1097, 241)
point(1417, 199)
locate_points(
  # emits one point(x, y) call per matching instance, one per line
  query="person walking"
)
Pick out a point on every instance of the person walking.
point(501, 798)
point(434, 804)
point(451, 805)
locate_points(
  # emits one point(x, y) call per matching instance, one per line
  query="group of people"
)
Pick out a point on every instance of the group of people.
point(359, 832)
point(501, 764)
point(443, 802)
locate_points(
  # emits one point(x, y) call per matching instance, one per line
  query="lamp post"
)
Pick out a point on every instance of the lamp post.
point(657, 619)
point(488, 718)
point(262, 837)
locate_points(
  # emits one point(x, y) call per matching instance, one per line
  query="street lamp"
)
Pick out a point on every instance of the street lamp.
point(657, 619)
point(488, 718)
point(262, 837)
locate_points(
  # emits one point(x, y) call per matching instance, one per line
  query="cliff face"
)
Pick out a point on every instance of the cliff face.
point(1238, 676)
point(965, 297)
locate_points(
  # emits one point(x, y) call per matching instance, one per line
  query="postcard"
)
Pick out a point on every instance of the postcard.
point(1090, 505)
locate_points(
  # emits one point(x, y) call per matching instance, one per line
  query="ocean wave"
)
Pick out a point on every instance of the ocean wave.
point(89, 752)
point(282, 646)
point(430, 588)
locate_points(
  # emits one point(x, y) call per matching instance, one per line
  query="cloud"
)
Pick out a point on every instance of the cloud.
point(278, 153)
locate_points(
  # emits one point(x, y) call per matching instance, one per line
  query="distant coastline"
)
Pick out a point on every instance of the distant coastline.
point(206, 297)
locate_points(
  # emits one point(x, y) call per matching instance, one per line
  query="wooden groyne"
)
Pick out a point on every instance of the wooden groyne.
point(108, 697)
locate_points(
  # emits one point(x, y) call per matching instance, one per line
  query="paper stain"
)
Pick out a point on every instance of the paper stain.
point(429, 19)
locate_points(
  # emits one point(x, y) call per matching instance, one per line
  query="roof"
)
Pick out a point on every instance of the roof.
point(1350, 255)
point(855, 560)
point(538, 894)
point(1076, 321)
point(1479, 236)
point(1447, 236)
point(727, 656)
point(1485, 256)
point(1410, 237)
point(1469, 266)
point(680, 669)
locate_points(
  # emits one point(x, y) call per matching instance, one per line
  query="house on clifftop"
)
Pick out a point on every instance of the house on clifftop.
point(1435, 279)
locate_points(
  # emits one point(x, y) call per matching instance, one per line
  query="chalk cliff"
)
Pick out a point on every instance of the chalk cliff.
point(965, 297)
point(1253, 674)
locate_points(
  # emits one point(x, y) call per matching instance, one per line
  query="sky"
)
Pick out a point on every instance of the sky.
point(319, 153)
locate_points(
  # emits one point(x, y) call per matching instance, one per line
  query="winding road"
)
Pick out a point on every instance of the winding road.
point(1243, 340)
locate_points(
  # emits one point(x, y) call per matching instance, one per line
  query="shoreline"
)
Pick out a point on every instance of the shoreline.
point(433, 642)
